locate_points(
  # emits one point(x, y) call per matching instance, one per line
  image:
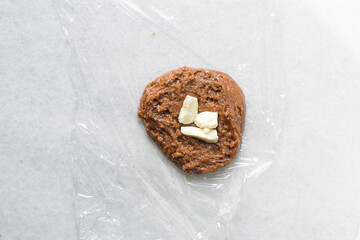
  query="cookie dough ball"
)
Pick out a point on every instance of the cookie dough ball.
point(160, 106)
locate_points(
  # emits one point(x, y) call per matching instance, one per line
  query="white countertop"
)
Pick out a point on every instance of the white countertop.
point(312, 191)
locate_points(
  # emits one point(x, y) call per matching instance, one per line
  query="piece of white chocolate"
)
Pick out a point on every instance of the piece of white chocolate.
point(206, 120)
point(189, 110)
point(210, 137)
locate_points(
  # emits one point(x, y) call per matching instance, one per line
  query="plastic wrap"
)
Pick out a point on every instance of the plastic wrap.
point(124, 187)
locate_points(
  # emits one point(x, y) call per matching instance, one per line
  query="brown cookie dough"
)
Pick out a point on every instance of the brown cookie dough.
point(216, 92)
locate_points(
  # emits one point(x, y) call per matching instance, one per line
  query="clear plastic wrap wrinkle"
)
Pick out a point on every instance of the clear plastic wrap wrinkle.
point(124, 187)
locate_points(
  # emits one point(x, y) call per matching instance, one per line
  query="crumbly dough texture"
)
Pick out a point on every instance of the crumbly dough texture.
point(160, 106)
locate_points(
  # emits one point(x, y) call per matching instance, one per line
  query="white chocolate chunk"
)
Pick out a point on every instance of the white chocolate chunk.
point(189, 110)
point(207, 120)
point(210, 137)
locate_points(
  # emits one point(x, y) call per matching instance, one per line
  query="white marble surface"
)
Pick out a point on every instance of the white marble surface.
point(311, 192)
